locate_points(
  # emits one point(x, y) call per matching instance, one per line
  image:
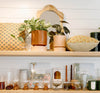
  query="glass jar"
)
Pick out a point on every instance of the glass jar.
point(84, 80)
point(45, 85)
point(36, 86)
point(16, 85)
point(2, 82)
point(9, 81)
point(75, 85)
point(66, 85)
point(92, 85)
point(16, 79)
point(23, 78)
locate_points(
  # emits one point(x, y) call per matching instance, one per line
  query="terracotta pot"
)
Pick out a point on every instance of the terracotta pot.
point(59, 40)
point(39, 38)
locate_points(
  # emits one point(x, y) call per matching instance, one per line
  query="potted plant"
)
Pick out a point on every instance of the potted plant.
point(58, 38)
point(38, 30)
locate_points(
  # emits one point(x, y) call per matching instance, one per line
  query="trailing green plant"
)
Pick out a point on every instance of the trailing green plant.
point(59, 30)
point(32, 25)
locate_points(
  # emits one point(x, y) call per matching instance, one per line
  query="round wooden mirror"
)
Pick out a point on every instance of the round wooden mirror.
point(50, 14)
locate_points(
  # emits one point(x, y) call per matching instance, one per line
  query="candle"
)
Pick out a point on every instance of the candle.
point(66, 74)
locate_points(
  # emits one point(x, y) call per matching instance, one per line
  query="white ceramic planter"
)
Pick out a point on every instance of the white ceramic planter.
point(59, 41)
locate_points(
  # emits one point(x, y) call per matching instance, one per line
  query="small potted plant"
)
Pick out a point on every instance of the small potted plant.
point(58, 38)
point(38, 30)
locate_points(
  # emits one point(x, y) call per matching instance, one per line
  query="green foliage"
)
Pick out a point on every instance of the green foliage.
point(21, 39)
point(32, 25)
point(59, 30)
point(13, 35)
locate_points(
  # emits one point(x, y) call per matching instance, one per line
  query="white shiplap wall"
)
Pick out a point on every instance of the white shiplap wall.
point(83, 16)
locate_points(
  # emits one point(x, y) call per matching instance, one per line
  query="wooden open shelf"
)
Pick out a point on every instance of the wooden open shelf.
point(50, 53)
point(47, 91)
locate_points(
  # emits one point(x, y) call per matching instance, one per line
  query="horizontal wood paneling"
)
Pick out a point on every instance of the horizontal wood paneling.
point(80, 4)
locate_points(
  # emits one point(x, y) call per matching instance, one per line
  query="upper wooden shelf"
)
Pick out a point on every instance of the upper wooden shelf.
point(50, 53)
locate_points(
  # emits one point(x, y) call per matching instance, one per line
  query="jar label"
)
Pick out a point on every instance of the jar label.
point(93, 85)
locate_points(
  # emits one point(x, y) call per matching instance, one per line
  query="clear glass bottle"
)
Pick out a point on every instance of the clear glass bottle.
point(84, 80)
point(23, 77)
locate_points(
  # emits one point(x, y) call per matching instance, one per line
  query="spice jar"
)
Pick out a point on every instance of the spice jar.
point(16, 86)
point(45, 86)
point(36, 86)
point(16, 80)
point(9, 81)
point(2, 82)
point(75, 85)
point(23, 78)
point(25, 86)
point(66, 85)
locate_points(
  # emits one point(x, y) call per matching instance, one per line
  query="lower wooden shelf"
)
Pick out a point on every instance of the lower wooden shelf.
point(48, 91)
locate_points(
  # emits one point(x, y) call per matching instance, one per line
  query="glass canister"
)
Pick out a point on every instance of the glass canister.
point(23, 78)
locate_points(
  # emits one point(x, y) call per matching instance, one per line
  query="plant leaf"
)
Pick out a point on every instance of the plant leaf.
point(51, 39)
point(13, 36)
point(52, 33)
point(62, 33)
point(26, 21)
point(63, 21)
point(58, 29)
point(21, 29)
point(36, 19)
point(21, 39)
point(66, 30)
point(55, 25)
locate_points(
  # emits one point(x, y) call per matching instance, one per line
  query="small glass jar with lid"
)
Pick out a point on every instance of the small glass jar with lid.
point(75, 85)
point(66, 85)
